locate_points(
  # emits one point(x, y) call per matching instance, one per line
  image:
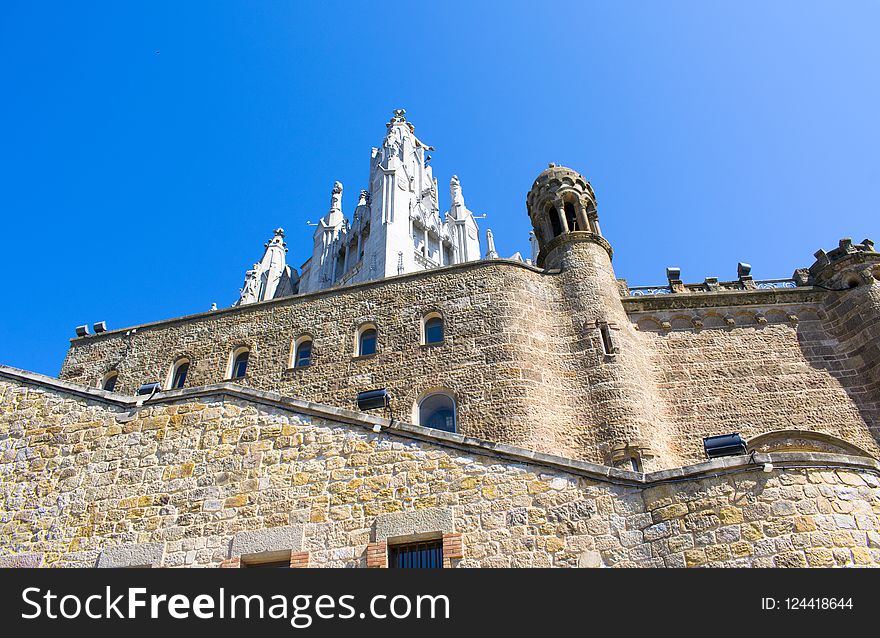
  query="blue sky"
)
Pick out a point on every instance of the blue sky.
point(149, 149)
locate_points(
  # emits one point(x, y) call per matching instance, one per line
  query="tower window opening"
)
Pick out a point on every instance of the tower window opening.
point(555, 223)
point(635, 463)
point(570, 216)
point(608, 345)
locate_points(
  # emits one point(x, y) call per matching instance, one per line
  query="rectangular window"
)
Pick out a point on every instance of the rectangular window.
point(423, 555)
point(607, 342)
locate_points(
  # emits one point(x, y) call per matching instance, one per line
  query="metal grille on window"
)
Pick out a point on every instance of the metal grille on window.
point(425, 555)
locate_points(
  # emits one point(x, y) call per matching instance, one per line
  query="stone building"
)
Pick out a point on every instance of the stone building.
point(542, 412)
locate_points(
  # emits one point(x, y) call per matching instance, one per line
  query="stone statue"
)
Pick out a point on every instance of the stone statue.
point(455, 192)
point(336, 197)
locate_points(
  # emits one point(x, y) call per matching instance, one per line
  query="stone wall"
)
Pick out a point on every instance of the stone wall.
point(221, 474)
point(499, 358)
point(523, 356)
point(774, 368)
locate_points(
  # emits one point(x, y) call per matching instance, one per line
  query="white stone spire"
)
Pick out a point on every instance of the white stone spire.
point(271, 277)
point(491, 253)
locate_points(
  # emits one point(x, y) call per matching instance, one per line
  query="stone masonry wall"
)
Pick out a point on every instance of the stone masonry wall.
point(767, 372)
point(523, 358)
point(498, 357)
point(203, 479)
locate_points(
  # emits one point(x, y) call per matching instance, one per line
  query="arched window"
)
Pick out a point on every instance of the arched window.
point(432, 329)
point(437, 411)
point(177, 378)
point(570, 216)
point(555, 223)
point(239, 363)
point(109, 381)
point(367, 337)
point(302, 353)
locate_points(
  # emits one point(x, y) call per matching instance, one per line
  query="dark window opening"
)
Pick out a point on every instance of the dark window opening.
point(424, 555)
point(110, 382)
point(303, 354)
point(180, 375)
point(571, 216)
point(367, 342)
point(239, 366)
point(635, 463)
point(555, 223)
point(437, 411)
point(607, 341)
point(434, 330)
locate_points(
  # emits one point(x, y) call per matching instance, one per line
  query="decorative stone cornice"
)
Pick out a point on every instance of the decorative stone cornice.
point(577, 236)
point(724, 299)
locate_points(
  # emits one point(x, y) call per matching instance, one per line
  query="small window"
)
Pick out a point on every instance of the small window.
point(437, 411)
point(303, 355)
point(239, 364)
point(109, 382)
point(433, 329)
point(635, 463)
point(555, 223)
point(178, 374)
point(424, 555)
point(608, 346)
point(367, 342)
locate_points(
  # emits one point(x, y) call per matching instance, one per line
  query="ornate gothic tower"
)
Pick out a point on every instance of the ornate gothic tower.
point(613, 388)
point(397, 226)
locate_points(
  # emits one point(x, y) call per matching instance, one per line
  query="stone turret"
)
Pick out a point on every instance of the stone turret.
point(562, 207)
point(614, 392)
point(851, 273)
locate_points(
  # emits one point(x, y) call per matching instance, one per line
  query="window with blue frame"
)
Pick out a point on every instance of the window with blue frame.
point(422, 555)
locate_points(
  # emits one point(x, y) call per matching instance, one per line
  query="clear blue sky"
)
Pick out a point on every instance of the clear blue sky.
point(149, 149)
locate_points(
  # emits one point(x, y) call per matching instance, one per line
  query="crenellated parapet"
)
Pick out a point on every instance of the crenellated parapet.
point(846, 266)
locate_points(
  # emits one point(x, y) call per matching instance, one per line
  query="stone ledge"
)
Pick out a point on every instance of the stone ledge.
point(272, 539)
point(594, 471)
point(21, 561)
point(722, 299)
point(140, 555)
point(415, 524)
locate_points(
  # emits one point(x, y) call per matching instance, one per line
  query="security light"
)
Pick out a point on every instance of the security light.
point(82, 331)
point(101, 326)
point(373, 399)
point(148, 388)
point(724, 445)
